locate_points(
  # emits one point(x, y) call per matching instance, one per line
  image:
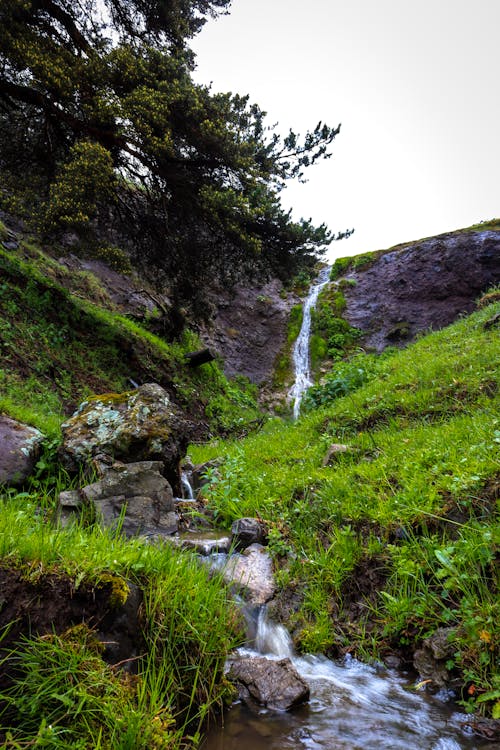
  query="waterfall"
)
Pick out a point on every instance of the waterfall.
point(272, 638)
point(187, 490)
point(301, 348)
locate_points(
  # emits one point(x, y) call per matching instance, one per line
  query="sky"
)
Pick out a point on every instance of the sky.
point(414, 84)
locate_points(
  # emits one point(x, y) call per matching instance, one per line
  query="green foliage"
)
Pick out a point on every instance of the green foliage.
point(354, 263)
point(344, 378)
point(283, 365)
point(65, 696)
point(83, 181)
point(63, 693)
point(58, 348)
point(332, 336)
point(106, 112)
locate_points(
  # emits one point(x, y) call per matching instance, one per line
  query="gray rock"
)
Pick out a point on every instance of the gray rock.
point(135, 496)
point(274, 684)
point(247, 531)
point(252, 573)
point(334, 451)
point(134, 426)
point(430, 660)
point(19, 450)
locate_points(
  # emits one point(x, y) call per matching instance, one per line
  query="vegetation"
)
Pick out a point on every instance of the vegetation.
point(63, 695)
point(398, 535)
point(59, 347)
point(100, 113)
point(331, 335)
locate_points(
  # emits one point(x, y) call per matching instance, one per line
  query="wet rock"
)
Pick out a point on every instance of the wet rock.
point(430, 660)
point(19, 450)
point(205, 545)
point(138, 425)
point(488, 729)
point(270, 683)
point(252, 573)
point(247, 531)
point(136, 496)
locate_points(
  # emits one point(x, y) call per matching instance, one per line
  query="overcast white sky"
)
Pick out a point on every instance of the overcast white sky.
point(415, 84)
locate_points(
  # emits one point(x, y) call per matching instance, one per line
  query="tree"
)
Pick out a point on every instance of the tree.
point(197, 175)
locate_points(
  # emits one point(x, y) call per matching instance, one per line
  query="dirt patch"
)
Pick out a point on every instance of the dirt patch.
point(33, 604)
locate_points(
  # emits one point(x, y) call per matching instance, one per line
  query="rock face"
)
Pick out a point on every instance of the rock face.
point(136, 496)
point(252, 571)
point(135, 426)
point(249, 329)
point(274, 684)
point(422, 286)
point(19, 450)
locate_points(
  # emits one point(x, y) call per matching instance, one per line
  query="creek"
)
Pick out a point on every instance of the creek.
point(353, 706)
point(301, 349)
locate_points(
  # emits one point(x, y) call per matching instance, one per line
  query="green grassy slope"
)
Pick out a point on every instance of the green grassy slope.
point(398, 535)
point(58, 346)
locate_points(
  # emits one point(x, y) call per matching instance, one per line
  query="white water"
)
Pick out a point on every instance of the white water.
point(301, 349)
point(353, 706)
point(187, 490)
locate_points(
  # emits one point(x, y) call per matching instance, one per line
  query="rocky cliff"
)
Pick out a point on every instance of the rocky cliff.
point(420, 286)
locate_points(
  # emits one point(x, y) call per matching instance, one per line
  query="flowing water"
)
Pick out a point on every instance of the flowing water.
point(353, 706)
point(301, 350)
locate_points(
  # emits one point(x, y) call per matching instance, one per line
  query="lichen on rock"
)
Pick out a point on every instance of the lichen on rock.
point(138, 425)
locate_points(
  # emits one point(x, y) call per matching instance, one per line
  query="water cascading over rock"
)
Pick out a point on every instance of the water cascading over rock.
point(301, 349)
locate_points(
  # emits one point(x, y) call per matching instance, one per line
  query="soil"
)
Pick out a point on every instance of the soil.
point(421, 286)
point(35, 603)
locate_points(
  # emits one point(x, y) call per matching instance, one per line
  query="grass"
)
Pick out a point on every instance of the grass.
point(399, 535)
point(64, 695)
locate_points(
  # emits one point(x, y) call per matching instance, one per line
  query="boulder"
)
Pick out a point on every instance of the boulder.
point(252, 573)
point(247, 531)
point(135, 496)
point(274, 684)
point(139, 425)
point(19, 450)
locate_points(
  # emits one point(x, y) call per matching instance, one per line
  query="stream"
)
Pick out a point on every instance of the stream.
point(353, 706)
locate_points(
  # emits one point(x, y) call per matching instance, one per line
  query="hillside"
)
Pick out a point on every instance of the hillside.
point(382, 508)
point(65, 335)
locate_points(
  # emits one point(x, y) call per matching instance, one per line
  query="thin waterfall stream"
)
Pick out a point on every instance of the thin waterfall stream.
point(301, 349)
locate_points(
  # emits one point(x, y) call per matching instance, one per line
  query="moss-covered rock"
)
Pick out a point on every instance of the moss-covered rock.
point(138, 425)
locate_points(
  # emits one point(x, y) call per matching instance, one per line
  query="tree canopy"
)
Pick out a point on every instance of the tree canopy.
point(98, 96)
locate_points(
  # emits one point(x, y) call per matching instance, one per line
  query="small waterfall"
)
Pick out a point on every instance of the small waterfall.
point(301, 349)
point(187, 490)
point(271, 638)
